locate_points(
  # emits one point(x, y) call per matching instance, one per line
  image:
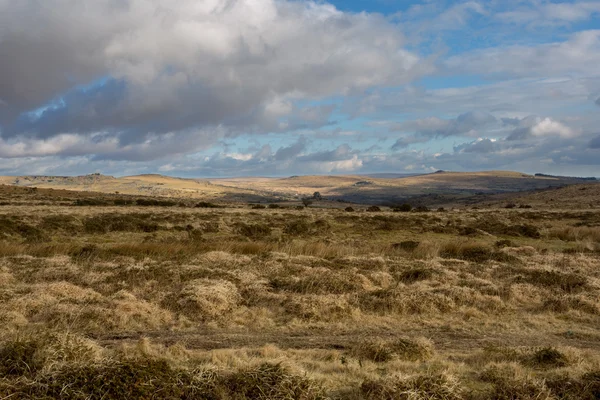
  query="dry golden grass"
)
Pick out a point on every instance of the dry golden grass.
point(235, 303)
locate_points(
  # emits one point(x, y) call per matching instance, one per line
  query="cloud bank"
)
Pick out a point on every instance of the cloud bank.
point(263, 87)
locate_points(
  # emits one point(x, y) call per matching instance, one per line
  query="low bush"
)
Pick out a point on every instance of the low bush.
point(421, 209)
point(204, 204)
point(402, 208)
point(473, 252)
point(92, 202)
point(373, 209)
point(155, 203)
point(122, 202)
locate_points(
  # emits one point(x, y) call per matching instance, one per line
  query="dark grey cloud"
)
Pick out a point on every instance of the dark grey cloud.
point(406, 141)
point(341, 153)
point(167, 68)
point(289, 152)
point(433, 127)
point(597, 101)
point(595, 143)
point(482, 146)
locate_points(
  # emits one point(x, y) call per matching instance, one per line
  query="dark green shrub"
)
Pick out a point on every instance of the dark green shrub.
point(204, 204)
point(349, 209)
point(402, 208)
point(373, 209)
point(122, 202)
point(92, 202)
point(155, 203)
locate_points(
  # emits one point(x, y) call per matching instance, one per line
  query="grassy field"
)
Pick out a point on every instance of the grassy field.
point(441, 188)
point(114, 297)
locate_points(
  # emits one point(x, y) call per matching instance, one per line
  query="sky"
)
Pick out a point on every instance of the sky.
point(220, 88)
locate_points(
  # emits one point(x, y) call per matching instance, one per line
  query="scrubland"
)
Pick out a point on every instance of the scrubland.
point(184, 302)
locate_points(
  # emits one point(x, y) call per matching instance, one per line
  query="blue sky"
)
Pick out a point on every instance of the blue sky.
point(288, 87)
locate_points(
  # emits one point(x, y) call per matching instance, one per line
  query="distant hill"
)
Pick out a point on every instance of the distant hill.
point(566, 177)
point(385, 189)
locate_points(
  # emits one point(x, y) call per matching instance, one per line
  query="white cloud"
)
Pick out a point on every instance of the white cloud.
point(549, 127)
point(537, 127)
point(537, 13)
point(175, 66)
point(577, 57)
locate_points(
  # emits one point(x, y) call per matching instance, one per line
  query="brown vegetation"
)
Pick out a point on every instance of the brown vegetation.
point(195, 301)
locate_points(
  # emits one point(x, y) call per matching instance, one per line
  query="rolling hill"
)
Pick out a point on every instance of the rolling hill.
point(430, 189)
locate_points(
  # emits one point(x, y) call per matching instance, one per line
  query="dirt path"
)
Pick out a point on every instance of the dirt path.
point(443, 340)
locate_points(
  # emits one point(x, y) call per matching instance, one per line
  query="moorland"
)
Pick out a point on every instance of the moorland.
point(246, 293)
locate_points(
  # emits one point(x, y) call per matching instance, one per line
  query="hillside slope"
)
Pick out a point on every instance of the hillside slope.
point(431, 189)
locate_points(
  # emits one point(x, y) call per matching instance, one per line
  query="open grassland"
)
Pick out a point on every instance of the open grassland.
point(441, 188)
point(179, 300)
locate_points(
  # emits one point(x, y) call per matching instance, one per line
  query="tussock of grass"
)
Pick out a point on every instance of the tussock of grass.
point(565, 303)
point(547, 357)
point(407, 245)
point(419, 387)
point(321, 281)
point(567, 282)
point(30, 353)
point(400, 349)
point(253, 230)
point(473, 252)
point(156, 379)
point(573, 234)
point(213, 286)
point(317, 308)
point(415, 275)
point(204, 299)
point(398, 301)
